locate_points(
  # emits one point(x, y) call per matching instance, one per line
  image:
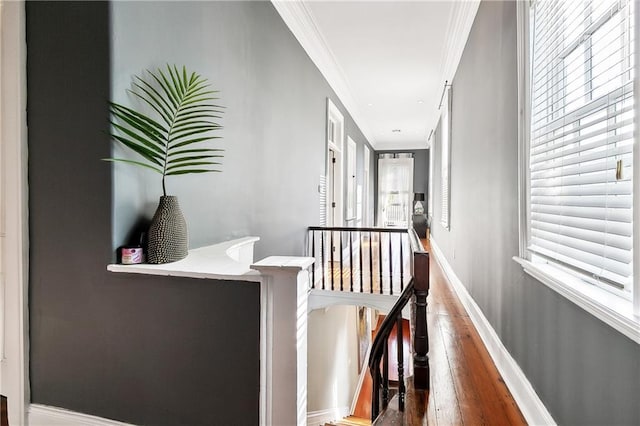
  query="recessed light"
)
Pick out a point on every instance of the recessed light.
point(420, 101)
point(396, 130)
point(369, 104)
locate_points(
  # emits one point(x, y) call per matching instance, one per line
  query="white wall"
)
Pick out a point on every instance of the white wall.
point(332, 374)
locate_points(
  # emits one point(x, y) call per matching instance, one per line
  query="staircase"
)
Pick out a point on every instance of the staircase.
point(385, 262)
point(350, 421)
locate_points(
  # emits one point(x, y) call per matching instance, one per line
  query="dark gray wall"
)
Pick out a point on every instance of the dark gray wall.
point(161, 350)
point(274, 126)
point(420, 173)
point(145, 350)
point(584, 371)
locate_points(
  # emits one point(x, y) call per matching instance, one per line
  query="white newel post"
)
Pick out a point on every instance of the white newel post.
point(284, 290)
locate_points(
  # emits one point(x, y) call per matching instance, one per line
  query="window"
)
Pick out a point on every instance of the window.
point(431, 143)
point(445, 146)
point(579, 137)
point(395, 189)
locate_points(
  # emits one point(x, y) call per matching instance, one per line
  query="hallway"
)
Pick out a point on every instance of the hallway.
point(466, 387)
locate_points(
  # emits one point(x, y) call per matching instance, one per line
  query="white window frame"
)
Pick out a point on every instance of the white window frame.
point(445, 157)
point(614, 310)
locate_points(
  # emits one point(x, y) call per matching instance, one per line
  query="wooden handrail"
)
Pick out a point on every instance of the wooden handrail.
point(357, 229)
point(379, 345)
point(418, 288)
point(414, 240)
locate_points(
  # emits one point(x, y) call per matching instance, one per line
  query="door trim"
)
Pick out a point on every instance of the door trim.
point(335, 144)
point(14, 208)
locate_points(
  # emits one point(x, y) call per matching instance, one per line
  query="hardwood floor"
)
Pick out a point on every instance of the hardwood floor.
point(4, 420)
point(466, 387)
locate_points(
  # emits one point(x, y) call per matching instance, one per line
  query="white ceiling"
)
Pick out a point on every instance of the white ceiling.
point(386, 60)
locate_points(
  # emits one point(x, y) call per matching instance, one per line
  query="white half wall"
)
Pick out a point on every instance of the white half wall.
point(332, 358)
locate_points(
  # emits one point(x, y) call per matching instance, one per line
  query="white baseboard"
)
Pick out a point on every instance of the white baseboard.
point(43, 415)
point(525, 396)
point(319, 418)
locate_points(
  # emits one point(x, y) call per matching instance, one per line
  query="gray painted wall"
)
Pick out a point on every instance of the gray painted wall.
point(151, 350)
point(145, 350)
point(584, 371)
point(274, 128)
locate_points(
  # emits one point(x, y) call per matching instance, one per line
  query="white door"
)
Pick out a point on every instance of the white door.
point(366, 217)
point(332, 182)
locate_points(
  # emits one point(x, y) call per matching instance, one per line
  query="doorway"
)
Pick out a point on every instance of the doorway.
point(335, 139)
point(367, 216)
point(334, 204)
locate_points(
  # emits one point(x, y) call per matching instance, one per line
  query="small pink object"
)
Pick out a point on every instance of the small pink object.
point(131, 255)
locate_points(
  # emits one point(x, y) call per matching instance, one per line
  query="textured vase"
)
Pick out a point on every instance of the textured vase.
point(168, 239)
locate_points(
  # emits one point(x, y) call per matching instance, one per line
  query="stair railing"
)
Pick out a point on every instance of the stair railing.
point(364, 260)
point(380, 353)
point(418, 290)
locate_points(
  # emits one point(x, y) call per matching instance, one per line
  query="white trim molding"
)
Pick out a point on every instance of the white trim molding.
point(13, 210)
point(524, 394)
point(636, 175)
point(297, 16)
point(44, 415)
point(524, 112)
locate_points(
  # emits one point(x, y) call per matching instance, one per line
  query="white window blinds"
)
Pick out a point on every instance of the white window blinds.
point(581, 142)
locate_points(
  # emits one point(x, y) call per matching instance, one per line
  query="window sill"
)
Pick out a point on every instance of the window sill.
point(613, 310)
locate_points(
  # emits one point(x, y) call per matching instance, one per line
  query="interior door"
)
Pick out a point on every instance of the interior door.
point(331, 190)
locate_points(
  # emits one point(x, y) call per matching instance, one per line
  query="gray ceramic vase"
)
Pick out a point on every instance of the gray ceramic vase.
point(168, 239)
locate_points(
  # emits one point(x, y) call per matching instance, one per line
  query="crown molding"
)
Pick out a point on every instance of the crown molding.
point(461, 18)
point(297, 16)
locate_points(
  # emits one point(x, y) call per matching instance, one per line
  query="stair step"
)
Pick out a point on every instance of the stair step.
point(350, 421)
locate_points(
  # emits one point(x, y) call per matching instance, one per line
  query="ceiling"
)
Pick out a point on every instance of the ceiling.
point(386, 60)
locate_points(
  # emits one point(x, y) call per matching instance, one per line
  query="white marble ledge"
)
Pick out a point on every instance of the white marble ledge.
point(230, 260)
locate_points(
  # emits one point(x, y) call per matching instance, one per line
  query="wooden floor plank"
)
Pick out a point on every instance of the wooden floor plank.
point(466, 387)
point(443, 395)
point(4, 417)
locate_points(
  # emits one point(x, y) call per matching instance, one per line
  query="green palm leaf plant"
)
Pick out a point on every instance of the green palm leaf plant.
point(173, 141)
